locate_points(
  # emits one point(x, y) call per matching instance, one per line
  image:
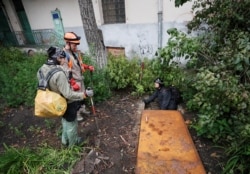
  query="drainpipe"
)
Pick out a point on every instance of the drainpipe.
point(159, 24)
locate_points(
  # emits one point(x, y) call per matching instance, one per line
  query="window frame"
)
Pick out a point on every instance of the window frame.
point(113, 11)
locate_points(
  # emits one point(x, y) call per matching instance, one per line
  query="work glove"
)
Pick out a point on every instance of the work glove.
point(89, 67)
point(89, 92)
point(74, 85)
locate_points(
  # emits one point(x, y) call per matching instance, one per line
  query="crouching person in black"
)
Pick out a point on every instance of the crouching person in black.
point(163, 94)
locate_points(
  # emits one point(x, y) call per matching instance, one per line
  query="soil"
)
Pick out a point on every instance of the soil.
point(114, 143)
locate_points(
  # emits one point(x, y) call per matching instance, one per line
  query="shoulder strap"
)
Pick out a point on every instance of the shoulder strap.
point(67, 56)
point(76, 58)
point(43, 82)
point(51, 73)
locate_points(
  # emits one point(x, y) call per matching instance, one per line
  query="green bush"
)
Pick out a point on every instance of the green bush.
point(122, 72)
point(18, 77)
point(96, 80)
point(221, 77)
point(139, 74)
point(217, 117)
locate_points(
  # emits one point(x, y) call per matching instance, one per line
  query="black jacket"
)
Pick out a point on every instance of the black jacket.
point(165, 100)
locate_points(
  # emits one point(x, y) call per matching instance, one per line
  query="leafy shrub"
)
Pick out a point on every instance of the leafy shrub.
point(18, 77)
point(222, 82)
point(96, 80)
point(139, 74)
point(216, 116)
point(122, 72)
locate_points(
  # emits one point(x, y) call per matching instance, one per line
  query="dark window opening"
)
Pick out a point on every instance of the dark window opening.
point(18, 5)
point(113, 11)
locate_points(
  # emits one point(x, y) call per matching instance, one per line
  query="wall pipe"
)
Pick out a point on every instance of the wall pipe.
point(160, 18)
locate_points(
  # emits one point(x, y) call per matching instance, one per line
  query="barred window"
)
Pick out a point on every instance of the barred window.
point(113, 11)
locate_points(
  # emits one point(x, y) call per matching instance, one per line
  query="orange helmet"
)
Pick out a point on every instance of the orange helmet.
point(71, 37)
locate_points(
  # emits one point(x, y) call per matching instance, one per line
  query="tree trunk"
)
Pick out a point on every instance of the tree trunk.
point(93, 34)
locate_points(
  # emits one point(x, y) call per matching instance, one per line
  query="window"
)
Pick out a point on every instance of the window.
point(113, 11)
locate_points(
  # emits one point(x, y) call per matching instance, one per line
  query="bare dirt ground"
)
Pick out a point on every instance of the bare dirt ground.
point(112, 147)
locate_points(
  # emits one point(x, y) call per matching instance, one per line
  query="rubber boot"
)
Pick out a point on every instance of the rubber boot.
point(69, 132)
point(64, 133)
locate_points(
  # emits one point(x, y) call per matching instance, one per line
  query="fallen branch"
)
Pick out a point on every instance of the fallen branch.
point(124, 140)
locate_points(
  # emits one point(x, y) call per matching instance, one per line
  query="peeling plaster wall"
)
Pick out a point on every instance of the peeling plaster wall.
point(137, 39)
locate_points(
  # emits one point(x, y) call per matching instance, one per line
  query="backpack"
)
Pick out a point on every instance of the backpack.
point(48, 103)
point(175, 94)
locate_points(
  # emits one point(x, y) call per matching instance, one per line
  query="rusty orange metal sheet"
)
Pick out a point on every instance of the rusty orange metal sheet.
point(165, 145)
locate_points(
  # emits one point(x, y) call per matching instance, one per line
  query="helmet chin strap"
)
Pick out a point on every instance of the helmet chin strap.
point(68, 44)
point(73, 54)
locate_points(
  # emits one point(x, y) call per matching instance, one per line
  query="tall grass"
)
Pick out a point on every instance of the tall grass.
point(43, 160)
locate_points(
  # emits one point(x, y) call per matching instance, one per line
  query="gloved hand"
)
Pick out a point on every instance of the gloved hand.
point(74, 85)
point(89, 92)
point(91, 68)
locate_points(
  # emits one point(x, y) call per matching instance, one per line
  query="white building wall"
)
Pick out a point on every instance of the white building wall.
point(178, 15)
point(141, 11)
point(39, 15)
point(139, 35)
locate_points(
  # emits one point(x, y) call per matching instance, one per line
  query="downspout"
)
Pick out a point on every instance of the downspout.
point(159, 24)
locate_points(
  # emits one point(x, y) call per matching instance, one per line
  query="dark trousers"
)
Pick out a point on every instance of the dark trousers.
point(70, 114)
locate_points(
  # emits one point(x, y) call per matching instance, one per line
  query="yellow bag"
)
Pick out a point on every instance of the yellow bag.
point(49, 104)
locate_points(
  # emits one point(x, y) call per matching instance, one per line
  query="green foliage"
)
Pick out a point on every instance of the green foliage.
point(16, 130)
point(96, 80)
point(18, 76)
point(42, 160)
point(122, 72)
point(179, 46)
point(50, 123)
point(180, 2)
point(239, 157)
point(139, 75)
point(221, 86)
point(215, 81)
